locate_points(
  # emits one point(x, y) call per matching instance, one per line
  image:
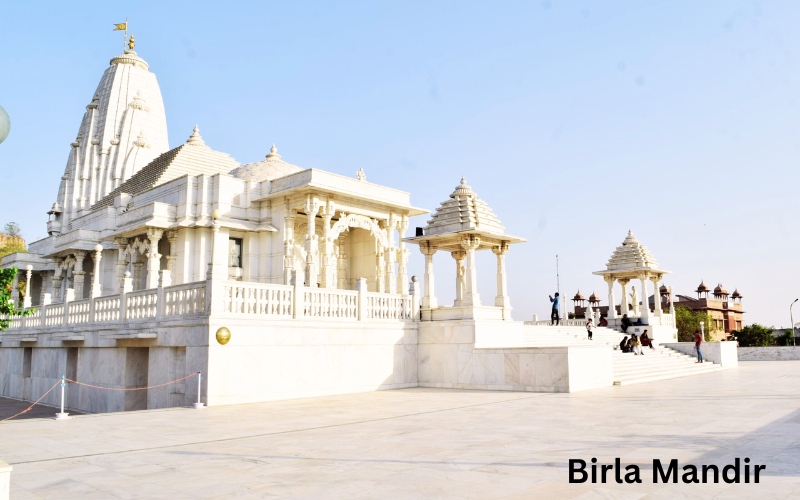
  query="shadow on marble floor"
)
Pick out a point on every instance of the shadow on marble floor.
point(9, 407)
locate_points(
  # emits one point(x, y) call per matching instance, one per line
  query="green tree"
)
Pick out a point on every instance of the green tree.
point(11, 247)
point(7, 306)
point(754, 335)
point(13, 229)
point(688, 322)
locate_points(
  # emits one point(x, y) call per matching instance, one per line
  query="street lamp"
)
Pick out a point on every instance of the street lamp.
point(792, 320)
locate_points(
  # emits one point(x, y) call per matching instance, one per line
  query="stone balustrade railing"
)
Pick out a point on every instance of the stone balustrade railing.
point(294, 301)
point(162, 302)
point(236, 298)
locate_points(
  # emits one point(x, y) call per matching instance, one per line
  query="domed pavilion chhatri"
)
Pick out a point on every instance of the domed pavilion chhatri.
point(462, 225)
point(632, 261)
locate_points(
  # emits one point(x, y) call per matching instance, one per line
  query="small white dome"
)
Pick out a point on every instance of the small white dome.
point(272, 167)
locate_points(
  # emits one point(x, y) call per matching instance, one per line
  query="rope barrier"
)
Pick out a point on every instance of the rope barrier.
point(64, 379)
point(34, 404)
point(131, 388)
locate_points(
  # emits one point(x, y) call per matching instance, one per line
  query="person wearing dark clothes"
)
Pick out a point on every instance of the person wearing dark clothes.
point(646, 341)
point(603, 322)
point(623, 345)
point(626, 322)
point(698, 339)
point(554, 319)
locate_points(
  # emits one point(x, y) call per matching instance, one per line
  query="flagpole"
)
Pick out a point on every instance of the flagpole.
point(125, 39)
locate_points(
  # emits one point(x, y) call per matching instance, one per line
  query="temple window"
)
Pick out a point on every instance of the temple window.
point(235, 252)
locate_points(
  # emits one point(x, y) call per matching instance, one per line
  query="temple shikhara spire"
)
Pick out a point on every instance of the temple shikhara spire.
point(123, 129)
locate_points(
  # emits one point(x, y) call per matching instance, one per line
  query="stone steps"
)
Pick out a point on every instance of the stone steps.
point(660, 363)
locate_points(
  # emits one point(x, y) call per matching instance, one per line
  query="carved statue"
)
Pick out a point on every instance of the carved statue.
point(635, 300)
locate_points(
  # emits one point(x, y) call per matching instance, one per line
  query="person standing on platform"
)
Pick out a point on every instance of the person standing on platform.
point(698, 339)
point(589, 327)
point(554, 319)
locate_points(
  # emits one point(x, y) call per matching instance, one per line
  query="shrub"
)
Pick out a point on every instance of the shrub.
point(754, 335)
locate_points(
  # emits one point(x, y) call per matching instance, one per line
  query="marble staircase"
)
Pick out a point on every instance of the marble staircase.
point(660, 363)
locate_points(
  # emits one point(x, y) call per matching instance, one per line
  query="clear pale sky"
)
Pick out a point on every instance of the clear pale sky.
point(575, 121)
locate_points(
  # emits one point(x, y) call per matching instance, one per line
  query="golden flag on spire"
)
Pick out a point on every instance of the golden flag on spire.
point(122, 26)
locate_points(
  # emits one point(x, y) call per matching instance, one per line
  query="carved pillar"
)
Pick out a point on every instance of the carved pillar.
point(624, 304)
point(342, 262)
point(612, 303)
point(502, 299)
point(326, 249)
point(312, 260)
point(656, 295)
point(390, 255)
point(402, 257)
point(97, 290)
point(645, 303)
point(153, 257)
point(28, 301)
point(471, 243)
point(428, 299)
point(57, 279)
point(172, 237)
point(460, 276)
point(288, 248)
point(78, 274)
point(380, 282)
point(122, 263)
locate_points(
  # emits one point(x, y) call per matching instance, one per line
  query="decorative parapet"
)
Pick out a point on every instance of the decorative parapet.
point(238, 299)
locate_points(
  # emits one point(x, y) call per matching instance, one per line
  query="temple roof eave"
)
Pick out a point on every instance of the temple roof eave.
point(631, 272)
point(490, 239)
point(322, 182)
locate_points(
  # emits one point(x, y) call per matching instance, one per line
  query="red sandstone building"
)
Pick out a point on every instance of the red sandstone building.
point(724, 310)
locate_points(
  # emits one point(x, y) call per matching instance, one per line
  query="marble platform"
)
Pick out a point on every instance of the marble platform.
point(423, 444)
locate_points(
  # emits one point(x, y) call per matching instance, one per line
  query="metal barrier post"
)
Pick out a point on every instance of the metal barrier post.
point(62, 415)
point(198, 405)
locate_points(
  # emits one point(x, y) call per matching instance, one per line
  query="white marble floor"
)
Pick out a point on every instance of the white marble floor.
point(424, 443)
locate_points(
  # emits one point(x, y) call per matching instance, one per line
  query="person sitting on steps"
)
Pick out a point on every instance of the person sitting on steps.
point(647, 341)
point(603, 322)
point(626, 322)
point(637, 348)
point(623, 345)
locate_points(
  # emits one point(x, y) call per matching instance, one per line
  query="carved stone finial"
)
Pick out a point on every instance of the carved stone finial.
point(273, 153)
point(361, 175)
point(195, 139)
